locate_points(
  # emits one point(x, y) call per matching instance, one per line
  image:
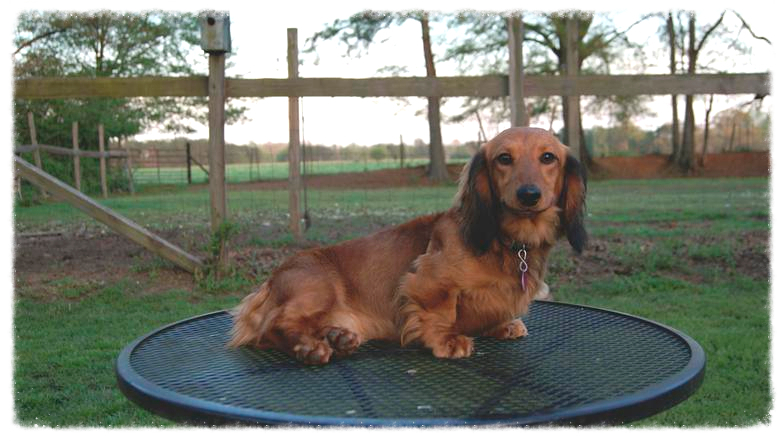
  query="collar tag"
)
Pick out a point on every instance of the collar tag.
point(522, 254)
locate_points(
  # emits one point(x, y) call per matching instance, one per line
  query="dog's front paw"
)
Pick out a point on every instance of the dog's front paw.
point(342, 340)
point(313, 352)
point(454, 346)
point(509, 331)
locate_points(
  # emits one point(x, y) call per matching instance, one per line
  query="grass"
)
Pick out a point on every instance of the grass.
point(689, 253)
point(267, 171)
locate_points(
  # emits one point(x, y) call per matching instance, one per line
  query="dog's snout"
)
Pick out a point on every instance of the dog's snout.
point(529, 195)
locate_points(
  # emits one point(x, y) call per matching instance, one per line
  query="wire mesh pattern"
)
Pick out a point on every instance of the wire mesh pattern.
point(574, 357)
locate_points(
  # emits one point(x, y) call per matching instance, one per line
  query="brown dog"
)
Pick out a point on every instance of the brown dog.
point(438, 279)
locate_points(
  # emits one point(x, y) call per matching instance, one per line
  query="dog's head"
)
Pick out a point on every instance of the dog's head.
point(520, 183)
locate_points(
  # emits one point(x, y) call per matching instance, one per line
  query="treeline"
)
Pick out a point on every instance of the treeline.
point(732, 130)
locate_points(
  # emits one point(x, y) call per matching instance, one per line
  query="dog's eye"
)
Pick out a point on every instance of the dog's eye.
point(547, 158)
point(504, 158)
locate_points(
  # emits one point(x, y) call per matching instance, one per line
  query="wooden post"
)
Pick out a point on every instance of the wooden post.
point(129, 166)
point(516, 103)
point(34, 142)
point(249, 154)
point(157, 164)
point(573, 101)
point(295, 181)
point(76, 163)
point(402, 152)
point(217, 153)
point(188, 161)
point(102, 162)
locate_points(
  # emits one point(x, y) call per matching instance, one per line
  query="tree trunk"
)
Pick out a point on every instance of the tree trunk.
point(576, 60)
point(673, 70)
point(688, 149)
point(705, 135)
point(585, 155)
point(732, 135)
point(436, 170)
point(686, 159)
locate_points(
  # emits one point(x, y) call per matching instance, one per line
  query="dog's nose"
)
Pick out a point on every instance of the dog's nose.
point(529, 195)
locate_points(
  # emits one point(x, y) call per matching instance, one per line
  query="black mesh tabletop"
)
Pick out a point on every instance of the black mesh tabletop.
point(579, 365)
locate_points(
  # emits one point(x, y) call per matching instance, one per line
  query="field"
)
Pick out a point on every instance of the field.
point(735, 164)
point(264, 170)
point(689, 253)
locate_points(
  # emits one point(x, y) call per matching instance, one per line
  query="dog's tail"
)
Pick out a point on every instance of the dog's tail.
point(252, 318)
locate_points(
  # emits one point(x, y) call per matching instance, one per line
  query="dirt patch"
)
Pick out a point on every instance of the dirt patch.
point(748, 257)
point(90, 259)
point(736, 165)
point(739, 164)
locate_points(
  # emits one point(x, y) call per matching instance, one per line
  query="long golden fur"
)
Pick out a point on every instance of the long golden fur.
point(437, 280)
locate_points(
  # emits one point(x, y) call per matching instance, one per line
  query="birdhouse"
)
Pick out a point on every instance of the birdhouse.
point(215, 35)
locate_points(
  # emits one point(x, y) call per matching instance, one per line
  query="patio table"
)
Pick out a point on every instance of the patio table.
point(579, 365)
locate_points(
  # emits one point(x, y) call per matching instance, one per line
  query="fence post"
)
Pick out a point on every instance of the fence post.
point(188, 160)
point(34, 142)
point(129, 166)
point(216, 41)
point(295, 181)
point(573, 101)
point(516, 103)
point(157, 164)
point(402, 153)
point(76, 162)
point(102, 162)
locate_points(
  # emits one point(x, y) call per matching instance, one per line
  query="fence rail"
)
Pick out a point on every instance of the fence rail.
point(475, 86)
point(69, 152)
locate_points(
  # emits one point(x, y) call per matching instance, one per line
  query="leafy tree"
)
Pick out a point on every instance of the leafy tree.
point(484, 43)
point(108, 44)
point(359, 30)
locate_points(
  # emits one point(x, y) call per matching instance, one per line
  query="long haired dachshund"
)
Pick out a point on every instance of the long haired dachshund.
point(436, 280)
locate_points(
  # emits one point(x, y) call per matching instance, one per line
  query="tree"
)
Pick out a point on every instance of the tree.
point(691, 43)
point(108, 44)
point(359, 30)
point(484, 43)
point(672, 39)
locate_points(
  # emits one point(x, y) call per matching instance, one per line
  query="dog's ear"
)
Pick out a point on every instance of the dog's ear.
point(572, 203)
point(477, 205)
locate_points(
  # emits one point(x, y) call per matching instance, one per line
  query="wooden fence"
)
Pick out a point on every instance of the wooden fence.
point(77, 153)
point(218, 88)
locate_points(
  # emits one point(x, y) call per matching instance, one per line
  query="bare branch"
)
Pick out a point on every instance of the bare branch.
point(43, 36)
point(747, 27)
point(619, 34)
point(709, 31)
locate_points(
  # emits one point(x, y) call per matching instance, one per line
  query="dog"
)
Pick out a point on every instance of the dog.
point(438, 280)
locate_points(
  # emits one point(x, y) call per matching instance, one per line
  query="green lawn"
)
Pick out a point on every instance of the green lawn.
point(264, 170)
point(689, 253)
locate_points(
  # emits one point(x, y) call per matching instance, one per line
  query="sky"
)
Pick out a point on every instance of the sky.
point(259, 42)
point(259, 51)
